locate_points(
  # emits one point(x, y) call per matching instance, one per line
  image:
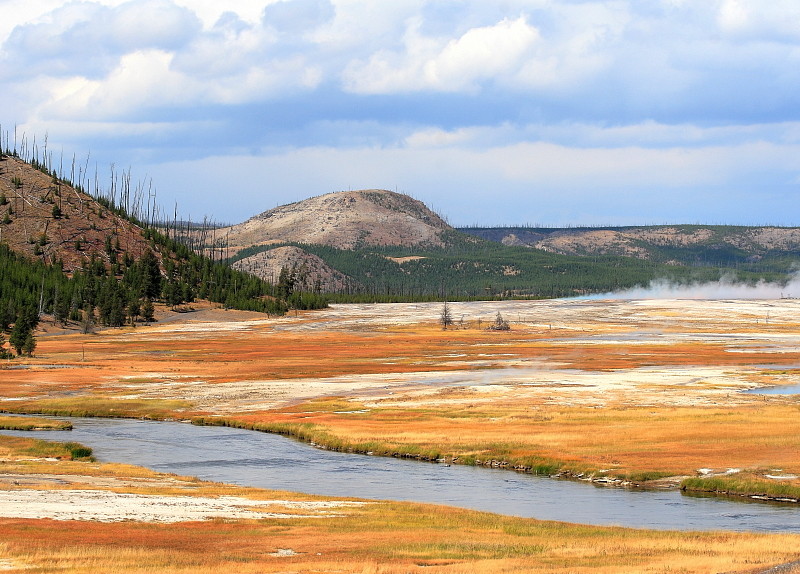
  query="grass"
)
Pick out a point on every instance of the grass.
point(31, 424)
point(700, 422)
point(16, 447)
point(633, 444)
point(744, 485)
point(102, 406)
point(389, 538)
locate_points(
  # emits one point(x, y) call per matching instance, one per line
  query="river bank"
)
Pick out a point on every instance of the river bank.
point(183, 524)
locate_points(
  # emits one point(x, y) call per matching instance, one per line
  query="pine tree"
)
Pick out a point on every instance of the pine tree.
point(29, 345)
point(148, 311)
point(4, 353)
point(19, 334)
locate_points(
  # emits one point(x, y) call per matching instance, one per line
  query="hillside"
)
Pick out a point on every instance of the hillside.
point(83, 261)
point(311, 273)
point(45, 218)
point(344, 220)
point(371, 244)
point(386, 246)
point(755, 248)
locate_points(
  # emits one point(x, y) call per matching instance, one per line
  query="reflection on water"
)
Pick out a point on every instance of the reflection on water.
point(271, 461)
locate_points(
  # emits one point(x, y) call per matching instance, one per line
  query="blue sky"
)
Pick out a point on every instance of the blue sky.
point(554, 112)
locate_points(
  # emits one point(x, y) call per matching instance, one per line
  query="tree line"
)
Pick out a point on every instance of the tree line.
point(467, 268)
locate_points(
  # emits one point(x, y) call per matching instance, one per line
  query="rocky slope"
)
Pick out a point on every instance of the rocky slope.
point(46, 218)
point(345, 220)
point(311, 272)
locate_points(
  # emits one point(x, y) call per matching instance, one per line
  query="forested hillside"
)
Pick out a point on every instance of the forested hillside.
point(762, 249)
point(87, 261)
point(470, 268)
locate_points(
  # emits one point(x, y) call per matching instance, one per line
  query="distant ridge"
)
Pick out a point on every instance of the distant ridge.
point(675, 244)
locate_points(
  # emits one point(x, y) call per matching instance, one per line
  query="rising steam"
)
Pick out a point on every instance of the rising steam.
point(725, 288)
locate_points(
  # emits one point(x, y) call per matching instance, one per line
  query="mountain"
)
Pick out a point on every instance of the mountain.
point(358, 245)
point(383, 245)
point(691, 245)
point(344, 220)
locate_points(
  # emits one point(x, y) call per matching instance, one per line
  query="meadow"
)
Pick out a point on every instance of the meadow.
point(650, 393)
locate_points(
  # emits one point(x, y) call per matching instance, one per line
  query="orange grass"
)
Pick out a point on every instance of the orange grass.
point(624, 442)
point(387, 538)
point(262, 353)
point(756, 433)
point(102, 406)
point(32, 423)
point(14, 448)
point(395, 538)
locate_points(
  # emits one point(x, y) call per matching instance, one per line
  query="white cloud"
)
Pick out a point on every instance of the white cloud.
point(481, 54)
point(434, 137)
point(140, 79)
point(600, 102)
point(523, 182)
point(514, 53)
point(616, 59)
point(778, 20)
point(733, 15)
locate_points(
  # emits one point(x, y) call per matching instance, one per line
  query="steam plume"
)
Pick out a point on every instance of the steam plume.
point(725, 288)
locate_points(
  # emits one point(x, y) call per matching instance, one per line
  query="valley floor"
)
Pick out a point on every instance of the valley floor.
point(624, 392)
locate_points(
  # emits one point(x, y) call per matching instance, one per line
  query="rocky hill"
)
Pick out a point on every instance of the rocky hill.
point(45, 218)
point(311, 272)
point(344, 220)
point(675, 244)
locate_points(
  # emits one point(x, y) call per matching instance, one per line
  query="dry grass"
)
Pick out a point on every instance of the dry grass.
point(14, 449)
point(379, 537)
point(388, 538)
point(633, 443)
point(32, 423)
point(102, 406)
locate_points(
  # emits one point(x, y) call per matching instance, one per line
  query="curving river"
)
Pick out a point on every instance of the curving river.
point(270, 461)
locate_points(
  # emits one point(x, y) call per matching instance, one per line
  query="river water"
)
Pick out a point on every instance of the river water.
point(263, 460)
point(779, 390)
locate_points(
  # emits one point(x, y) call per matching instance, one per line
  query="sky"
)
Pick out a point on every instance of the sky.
point(507, 112)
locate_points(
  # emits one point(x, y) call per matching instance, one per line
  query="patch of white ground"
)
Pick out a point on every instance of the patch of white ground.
point(757, 326)
point(646, 386)
point(241, 396)
point(561, 314)
point(569, 315)
point(107, 506)
point(660, 385)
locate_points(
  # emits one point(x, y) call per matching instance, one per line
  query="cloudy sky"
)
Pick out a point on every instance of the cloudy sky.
point(549, 112)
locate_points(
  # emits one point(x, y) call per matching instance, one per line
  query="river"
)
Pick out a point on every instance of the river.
point(263, 460)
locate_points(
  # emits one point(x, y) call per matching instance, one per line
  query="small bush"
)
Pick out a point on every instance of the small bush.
point(78, 451)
